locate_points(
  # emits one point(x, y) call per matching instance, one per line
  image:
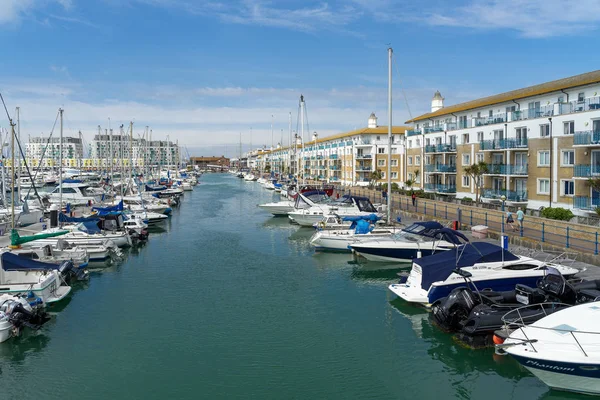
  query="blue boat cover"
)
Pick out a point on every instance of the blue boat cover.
point(370, 217)
point(155, 188)
point(439, 266)
point(65, 218)
point(450, 235)
point(362, 227)
point(12, 262)
point(90, 227)
point(72, 181)
point(116, 207)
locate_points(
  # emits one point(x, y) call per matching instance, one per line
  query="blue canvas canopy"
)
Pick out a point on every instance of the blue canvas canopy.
point(364, 227)
point(155, 188)
point(90, 227)
point(116, 207)
point(12, 262)
point(450, 235)
point(65, 218)
point(438, 267)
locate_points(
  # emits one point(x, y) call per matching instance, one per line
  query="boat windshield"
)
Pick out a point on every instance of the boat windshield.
point(415, 233)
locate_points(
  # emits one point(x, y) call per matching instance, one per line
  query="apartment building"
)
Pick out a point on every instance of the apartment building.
point(148, 152)
point(541, 144)
point(49, 148)
point(348, 158)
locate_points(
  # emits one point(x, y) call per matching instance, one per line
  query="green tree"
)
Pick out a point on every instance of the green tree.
point(476, 172)
point(375, 176)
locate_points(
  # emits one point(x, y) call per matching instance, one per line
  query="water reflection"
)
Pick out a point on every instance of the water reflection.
point(17, 349)
point(458, 359)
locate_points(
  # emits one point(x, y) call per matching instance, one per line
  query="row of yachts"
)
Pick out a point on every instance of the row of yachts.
point(40, 263)
point(539, 312)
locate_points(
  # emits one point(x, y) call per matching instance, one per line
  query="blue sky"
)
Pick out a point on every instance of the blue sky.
point(204, 71)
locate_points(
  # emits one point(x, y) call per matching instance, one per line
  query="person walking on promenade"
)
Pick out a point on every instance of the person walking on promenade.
point(510, 221)
point(520, 216)
point(414, 198)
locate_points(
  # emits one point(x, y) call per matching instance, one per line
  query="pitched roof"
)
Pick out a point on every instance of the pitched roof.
point(548, 87)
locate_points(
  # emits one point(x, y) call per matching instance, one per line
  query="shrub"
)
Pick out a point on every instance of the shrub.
point(597, 211)
point(559, 213)
point(466, 200)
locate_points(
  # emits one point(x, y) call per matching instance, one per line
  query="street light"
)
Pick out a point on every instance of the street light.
point(503, 198)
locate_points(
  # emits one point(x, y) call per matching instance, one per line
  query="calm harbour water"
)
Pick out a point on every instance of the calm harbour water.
point(227, 302)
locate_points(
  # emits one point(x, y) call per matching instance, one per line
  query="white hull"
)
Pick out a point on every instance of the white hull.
point(47, 287)
point(340, 240)
point(280, 208)
point(6, 329)
point(571, 383)
point(81, 238)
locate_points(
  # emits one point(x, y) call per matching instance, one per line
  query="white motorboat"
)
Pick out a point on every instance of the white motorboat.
point(302, 201)
point(18, 312)
point(249, 177)
point(21, 276)
point(96, 252)
point(72, 193)
point(347, 206)
point(23, 215)
point(48, 254)
point(487, 266)
point(187, 186)
point(150, 218)
point(561, 349)
point(415, 241)
point(80, 235)
point(341, 239)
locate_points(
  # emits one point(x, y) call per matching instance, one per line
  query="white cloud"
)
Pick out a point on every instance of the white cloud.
point(531, 18)
point(11, 11)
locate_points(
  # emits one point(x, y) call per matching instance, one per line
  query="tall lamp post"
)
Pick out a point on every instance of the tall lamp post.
point(503, 198)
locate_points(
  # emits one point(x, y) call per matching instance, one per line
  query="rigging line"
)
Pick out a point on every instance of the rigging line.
point(6, 109)
point(402, 89)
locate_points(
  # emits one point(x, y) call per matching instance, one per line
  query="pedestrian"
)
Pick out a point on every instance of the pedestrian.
point(384, 195)
point(510, 221)
point(520, 217)
point(414, 198)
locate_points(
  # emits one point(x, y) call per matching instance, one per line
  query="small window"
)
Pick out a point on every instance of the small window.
point(427, 160)
point(382, 174)
point(480, 136)
point(394, 175)
point(378, 137)
point(394, 163)
point(465, 138)
point(569, 127)
point(479, 157)
point(466, 181)
point(381, 150)
point(567, 187)
point(427, 142)
point(410, 160)
point(466, 159)
point(543, 186)
point(491, 114)
point(381, 163)
point(417, 160)
point(543, 158)
point(410, 144)
point(418, 142)
point(581, 97)
point(544, 130)
point(568, 158)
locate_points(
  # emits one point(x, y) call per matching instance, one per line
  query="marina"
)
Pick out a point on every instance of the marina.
point(260, 306)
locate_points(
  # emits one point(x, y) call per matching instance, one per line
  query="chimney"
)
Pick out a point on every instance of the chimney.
point(437, 103)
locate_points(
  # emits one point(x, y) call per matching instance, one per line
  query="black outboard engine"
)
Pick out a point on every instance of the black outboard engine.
point(21, 313)
point(450, 312)
point(71, 274)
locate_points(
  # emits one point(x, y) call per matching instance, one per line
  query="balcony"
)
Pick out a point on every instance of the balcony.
point(586, 203)
point(494, 119)
point(503, 144)
point(440, 148)
point(511, 195)
point(363, 156)
point(334, 167)
point(440, 188)
point(333, 157)
point(363, 168)
point(531, 113)
point(586, 138)
point(431, 129)
point(586, 171)
point(441, 168)
point(413, 132)
point(502, 169)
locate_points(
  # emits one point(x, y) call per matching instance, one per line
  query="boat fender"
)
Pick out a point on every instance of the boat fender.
point(497, 339)
point(419, 255)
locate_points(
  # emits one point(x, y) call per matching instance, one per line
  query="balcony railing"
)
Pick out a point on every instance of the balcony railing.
point(501, 144)
point(363, 156)
point(440, 168)
point(511, 195)
point(494, 119)
point(363, 169)
point(431, 129)
point(440, 148)
point(586, 138)
point(413, 132)
point(502, 169)
point(586, 171)
point(440, 188)
point(334, 167)
point(333, 157)
point(586, 203)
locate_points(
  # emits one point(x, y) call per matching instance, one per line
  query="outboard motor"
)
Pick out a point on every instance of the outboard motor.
point(21, 313)
point(450, 312)
point(69, 273)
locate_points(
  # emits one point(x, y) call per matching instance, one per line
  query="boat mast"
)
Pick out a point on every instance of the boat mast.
point(302, 130)
point(12, 166)
point(130, 154)
point(290, 144)
point(60, 148)
point(19, 155)
point(110, 142)
point(389, 161)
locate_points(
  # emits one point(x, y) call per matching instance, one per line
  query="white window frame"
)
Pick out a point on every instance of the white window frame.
point(381, 150)
point(466, 156)
point(410, 160)
point(466, 181)
point(382, 174)
point(394, 163)
point(480, 136)
point(394, 175)
point(410, 144)
point(569, 124)
point(465, 136)
point(539, 164)
point(417, 160)
point(381, 162)
point(562, 187)
point(562, 157)
point(539, 181)
point(479, 157)
point(547, 134)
